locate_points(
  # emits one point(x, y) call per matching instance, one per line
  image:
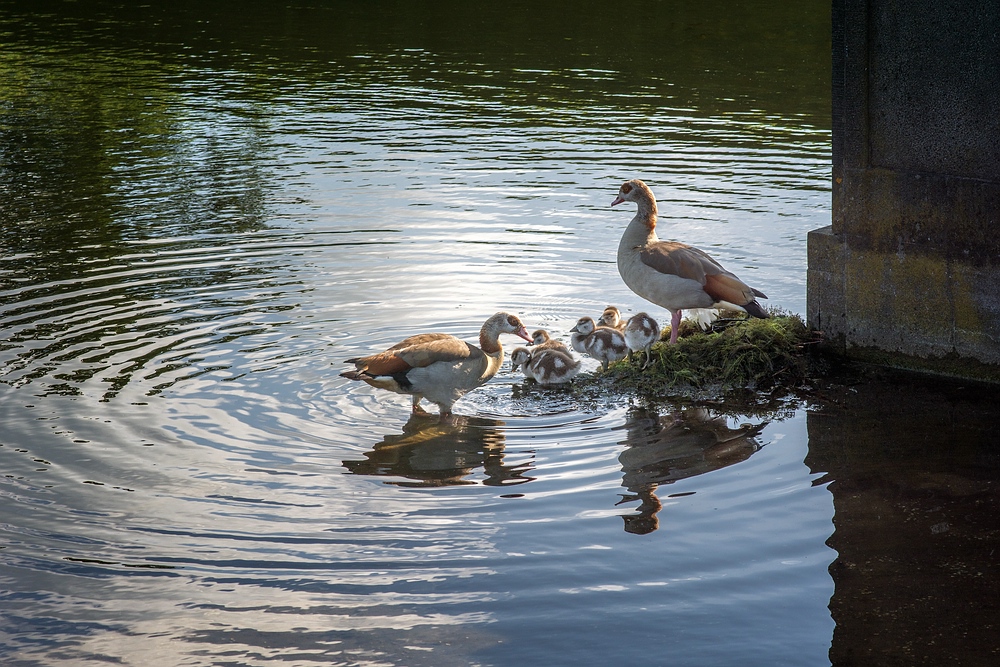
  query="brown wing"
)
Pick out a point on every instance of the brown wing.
point(679, 259)
point(416, 352)
point(688, 262)
point(727, 287)
point(441, 349)
point(419, 339)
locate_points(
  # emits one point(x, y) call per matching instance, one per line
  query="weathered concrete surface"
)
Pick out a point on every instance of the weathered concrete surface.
point(908, 273)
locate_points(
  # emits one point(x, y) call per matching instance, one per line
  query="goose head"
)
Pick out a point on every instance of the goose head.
point(540, 337)
point(634, 191)
point(638, 192)
point(611, 317)
point(584, 326)
point(520, 356)
point(502, 323)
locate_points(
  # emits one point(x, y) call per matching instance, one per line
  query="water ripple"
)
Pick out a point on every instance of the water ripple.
point(186, 264)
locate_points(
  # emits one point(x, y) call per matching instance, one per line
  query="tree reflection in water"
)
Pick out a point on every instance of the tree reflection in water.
point(432, 453)
point(661, 449)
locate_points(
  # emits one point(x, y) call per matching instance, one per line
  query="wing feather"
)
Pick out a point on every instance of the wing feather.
point(727, 287)
point(679, 259)
point(443, 349)
point(686, 261)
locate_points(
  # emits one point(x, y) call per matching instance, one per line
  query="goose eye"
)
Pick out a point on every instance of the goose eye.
point(626, 188)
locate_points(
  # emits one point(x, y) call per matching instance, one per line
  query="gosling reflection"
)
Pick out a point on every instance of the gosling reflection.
point(661, 449)
point(432, 453)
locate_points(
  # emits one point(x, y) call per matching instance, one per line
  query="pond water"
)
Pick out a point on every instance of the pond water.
point(206, 209)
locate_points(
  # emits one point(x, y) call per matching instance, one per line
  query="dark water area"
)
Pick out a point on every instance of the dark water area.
point(206, 207)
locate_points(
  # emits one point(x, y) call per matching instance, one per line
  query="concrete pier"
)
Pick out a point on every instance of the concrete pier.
point(908, 273)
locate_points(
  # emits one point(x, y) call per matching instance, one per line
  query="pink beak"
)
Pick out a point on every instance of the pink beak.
point(523, 333)
point(618, 200)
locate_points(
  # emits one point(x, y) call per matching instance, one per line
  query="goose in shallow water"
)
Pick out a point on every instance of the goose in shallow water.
point(438, 366)
point(547, 366)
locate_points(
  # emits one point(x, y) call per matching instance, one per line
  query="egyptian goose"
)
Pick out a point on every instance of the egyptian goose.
point(674, 275)
point(541, 340)
point(520, 358)
point(546, 366)
point(611, 317)
point(641, 331)
point(438, 366)
point(602, 343)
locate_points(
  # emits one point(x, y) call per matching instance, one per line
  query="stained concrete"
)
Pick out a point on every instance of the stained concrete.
point(908, 273)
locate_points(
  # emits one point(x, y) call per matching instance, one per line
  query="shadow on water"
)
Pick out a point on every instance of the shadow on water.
point(431, 453)
point(664, 448)
point(913, 467)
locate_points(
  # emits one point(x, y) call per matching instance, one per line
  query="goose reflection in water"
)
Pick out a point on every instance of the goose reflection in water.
point(661, 449)
point(432, 453)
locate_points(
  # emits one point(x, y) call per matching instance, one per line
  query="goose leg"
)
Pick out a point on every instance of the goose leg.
point(675, 325)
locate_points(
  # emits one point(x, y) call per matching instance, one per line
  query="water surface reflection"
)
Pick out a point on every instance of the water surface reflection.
point(207, 204)
point(663, 448)
point(431, 453)
point(914, 468)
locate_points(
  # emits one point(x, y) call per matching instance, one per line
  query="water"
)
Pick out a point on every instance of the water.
point(206, 210)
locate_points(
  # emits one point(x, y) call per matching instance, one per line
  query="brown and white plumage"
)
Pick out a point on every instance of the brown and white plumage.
point(520, 357)
point(641, 331)
point(605, 344)
point(540, 340)
point(674, 275)
point(611, 317)
point(547, 366)
point(438, 366)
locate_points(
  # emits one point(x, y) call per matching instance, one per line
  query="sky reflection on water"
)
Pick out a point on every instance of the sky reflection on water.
point(208, 208)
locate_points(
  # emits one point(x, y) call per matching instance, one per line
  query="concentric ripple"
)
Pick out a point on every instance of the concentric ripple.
point(207, 209)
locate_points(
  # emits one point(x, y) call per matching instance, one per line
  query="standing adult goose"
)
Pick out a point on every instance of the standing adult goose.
point(674, 275)
point(438, 366)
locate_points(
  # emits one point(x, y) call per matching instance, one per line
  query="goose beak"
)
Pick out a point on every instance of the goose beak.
point(523, 333)
point(618, 200)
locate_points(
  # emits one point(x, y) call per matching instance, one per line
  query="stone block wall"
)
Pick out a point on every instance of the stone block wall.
point(908, 273)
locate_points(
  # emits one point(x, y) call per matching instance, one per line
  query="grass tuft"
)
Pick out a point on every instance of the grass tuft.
point(740, 353)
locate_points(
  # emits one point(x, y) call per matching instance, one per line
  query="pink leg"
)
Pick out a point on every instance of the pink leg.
point(675, 325)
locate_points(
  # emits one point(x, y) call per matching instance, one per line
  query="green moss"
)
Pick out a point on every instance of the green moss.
point(740, 354)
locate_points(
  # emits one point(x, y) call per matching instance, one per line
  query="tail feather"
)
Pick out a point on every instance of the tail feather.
point(754, 309)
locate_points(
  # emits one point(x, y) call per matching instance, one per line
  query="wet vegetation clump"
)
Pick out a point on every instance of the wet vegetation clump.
point(737, 354)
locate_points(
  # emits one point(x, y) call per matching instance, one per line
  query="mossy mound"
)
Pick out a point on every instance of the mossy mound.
point(750, 354)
